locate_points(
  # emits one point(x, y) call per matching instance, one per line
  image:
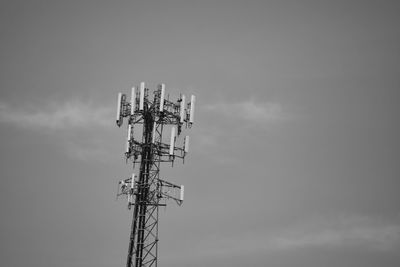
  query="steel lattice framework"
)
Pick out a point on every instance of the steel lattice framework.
point(147, 192)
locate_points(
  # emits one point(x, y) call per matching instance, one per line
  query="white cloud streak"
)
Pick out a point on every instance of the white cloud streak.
point(357, 232)
point(81, 125)
point(88, 152)
point(350, 231)
point(54, 116)
point(249, 110)
point(361, 233)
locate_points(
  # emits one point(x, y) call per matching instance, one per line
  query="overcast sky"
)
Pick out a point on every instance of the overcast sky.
point(294, 153)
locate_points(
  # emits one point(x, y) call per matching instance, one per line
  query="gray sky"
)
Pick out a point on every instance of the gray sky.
point(295, 152)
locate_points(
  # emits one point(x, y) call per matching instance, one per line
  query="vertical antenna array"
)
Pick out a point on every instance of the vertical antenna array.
point(146, 191)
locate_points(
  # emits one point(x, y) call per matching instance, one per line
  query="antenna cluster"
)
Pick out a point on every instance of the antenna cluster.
point(163, 112)
point(147, 118)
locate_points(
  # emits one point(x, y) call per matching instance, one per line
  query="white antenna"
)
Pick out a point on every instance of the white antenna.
point(129, 132)
point(172, 143)
point(130, 193)
point(129, 200)
point(141, 101)
point(186, 145)
point(119, 98)
point(133, 100)
point(127, 146)
point(162, 97)
point(133, 180)
point(153, 140)
point(192, 104)
point(182, 111)
point(182, 192)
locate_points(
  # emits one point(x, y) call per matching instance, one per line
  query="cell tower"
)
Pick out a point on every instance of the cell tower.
point(146, 191)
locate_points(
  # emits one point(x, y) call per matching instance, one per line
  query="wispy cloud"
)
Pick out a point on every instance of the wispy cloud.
point(249, 110)
point(224, 124)
point(80, 124)
point(352, 232)
point(56, 116)
point(90, 151)
point(358, 232)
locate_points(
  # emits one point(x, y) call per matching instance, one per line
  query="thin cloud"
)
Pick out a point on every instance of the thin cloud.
point(74, 114)
point(92, 151)
point(75, 120)
point(343, 232)
point(224, 124)
point(249, 110)
point(351, 231)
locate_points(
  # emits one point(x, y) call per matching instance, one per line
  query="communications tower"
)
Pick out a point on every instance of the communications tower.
point(147, 117)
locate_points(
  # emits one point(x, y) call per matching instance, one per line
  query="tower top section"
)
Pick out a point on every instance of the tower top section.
point(142, 109)
point(178, 112)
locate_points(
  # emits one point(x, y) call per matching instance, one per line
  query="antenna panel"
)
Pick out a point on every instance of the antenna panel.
point(186, 145)
point(192, 104)
point(127, 146)
point(162, 96)
point(133, 100)
point(153, 139)
point(182, 110)
point(181, 193)
point(141, 100)
point(129, 132)
point(172, 142)
point(133, 181)
point(119, 119)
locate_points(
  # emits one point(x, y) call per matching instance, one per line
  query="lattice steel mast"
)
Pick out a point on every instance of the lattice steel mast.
point(147, 193)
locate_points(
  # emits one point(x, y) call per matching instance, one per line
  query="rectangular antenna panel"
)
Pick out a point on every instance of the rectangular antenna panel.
point(133, 100)
point(192, 104)
point(182, 110)
point(172, 142)
point(129, 200)
point(182, 192)
point(119, 98)
point(162, 96)
point(186, 146)
point(153, 140)
point(129, 132)
point(141, 101)
point(133, 180)
point(127, 146)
